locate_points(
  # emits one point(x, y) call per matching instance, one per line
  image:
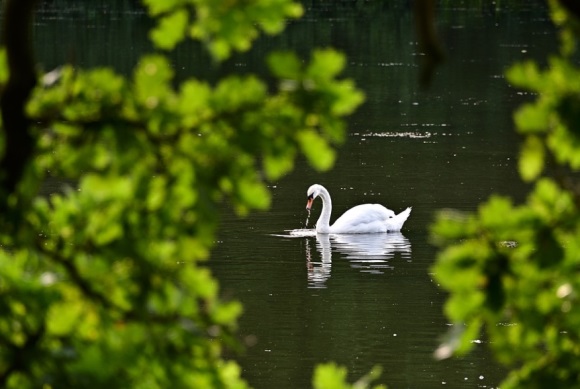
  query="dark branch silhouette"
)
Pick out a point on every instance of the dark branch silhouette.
point(19, 143)
point(429, 44)
point(572, 6)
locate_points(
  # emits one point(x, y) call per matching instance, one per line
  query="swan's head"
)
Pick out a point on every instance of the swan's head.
point(312, 193)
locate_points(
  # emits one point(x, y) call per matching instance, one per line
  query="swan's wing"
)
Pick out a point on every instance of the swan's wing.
point(363, 218)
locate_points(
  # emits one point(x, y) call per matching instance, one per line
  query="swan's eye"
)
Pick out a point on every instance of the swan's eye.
point(310, 197)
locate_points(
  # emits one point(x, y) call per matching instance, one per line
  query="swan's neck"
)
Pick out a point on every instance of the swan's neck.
point(323, 223)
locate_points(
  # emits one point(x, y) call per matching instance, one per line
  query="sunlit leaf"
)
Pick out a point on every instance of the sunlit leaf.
point(531, 162)
point(170, 30)
point(276, 166)
point(157, 7)
point(151, 77)
point(325, 64)
point(63, 317)
point(330, 376)
point(227, 313)
point(102, 188)
point(3, 66)
point(254, 194)
point(496, 212)
point(285, 65)
point(157, 193)
point(316, 149)
point(532, 118)
point(194, 101)
point(349, 98)
point(453, 225)
point(526, 75)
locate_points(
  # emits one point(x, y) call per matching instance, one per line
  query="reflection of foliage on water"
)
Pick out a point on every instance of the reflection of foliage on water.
point(532, 283)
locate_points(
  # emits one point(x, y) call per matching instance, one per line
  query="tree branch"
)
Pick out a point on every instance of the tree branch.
point(22, 355)
point(429, 43)
point(572, 6)
point(19, 143)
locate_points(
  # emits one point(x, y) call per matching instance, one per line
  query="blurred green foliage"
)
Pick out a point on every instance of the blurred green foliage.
point(103, 284)
point(223, 25)
point(513, 270)
point(332, 376)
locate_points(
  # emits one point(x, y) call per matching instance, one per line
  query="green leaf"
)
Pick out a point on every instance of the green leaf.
point(453, 225)
point(151, 81)
point(170, 30)
point(330, 376)
point(254, 194)
point(525, 75)
point(531, 162)
point(320, 155)
point(220, 49)
point(3, 66)
point(194, 101)
point(63, 317)
point(276, 165)
point(101, 188)
point(157, 193)
point(565, 146)
point(333, 376)
point(532, 118)
point(348, 98)
point(460, 306)
point(285, 65)
point(325, 64)
point(235, 93)
point(227, 313)
point(494, 213)
point(550, 202)
point(157, 7)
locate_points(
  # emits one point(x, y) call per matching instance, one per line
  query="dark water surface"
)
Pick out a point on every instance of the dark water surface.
point(357, 300)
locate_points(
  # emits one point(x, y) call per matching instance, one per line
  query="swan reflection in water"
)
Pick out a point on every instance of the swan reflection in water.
point(367, 252)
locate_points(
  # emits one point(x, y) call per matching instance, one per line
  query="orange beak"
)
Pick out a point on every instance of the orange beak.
point(309, 203)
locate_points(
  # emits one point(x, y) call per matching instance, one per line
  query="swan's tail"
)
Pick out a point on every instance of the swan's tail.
point(396, 223)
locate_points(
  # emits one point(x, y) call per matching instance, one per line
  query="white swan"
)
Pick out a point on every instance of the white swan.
point(362, 219)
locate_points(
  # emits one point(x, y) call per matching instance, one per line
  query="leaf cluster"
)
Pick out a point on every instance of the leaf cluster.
point(225, 139)
point(103, 283)
point(224, 26)
point(333, 376)
point(512, 270)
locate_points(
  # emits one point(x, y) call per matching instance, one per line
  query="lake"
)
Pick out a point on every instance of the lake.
point(356, 300)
